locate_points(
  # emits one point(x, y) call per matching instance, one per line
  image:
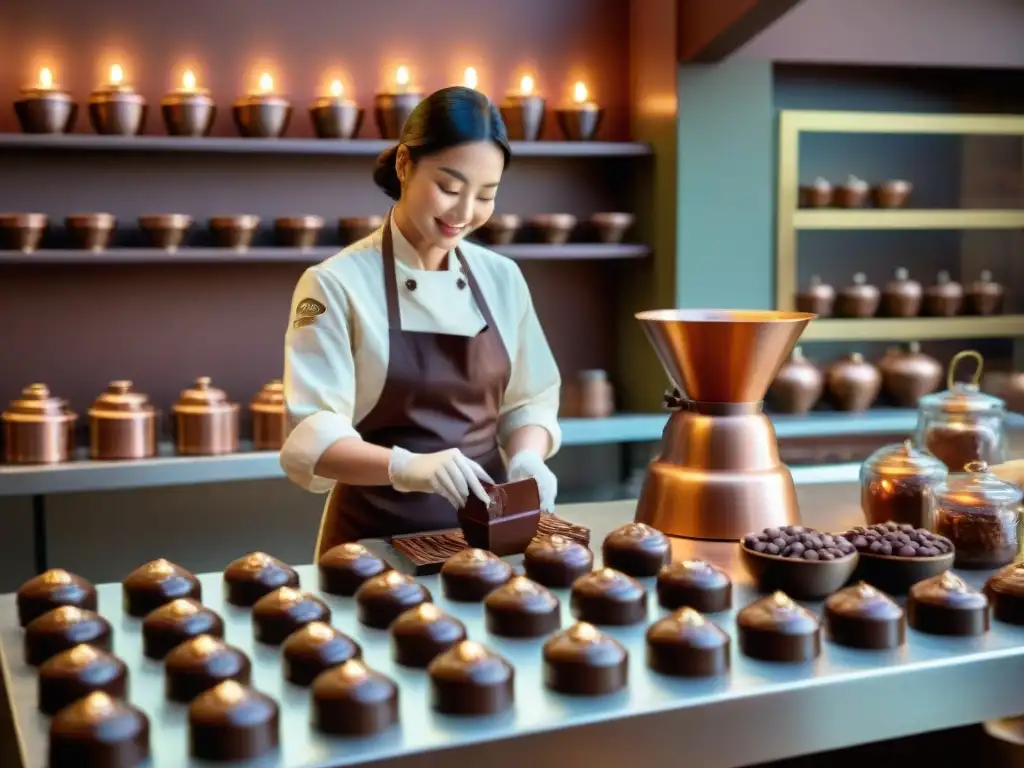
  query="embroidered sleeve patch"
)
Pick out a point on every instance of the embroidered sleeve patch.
point(307, 313)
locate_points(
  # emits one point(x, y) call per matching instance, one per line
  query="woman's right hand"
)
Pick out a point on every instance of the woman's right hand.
point(448, 473)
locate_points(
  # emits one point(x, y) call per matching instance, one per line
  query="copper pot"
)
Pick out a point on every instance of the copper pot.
point(91, 231)
point(500, 229)
point(580, 122)
point(852, 194)
point(335, 117)
point(945, 298)
point(816, 195)
point(298, 231)
point(553, 228)
point(589, 396)
point(797, 387)
point(859, 299)
point(354, 228)
point(205, 423)
point(853, 383)
point(165, 230)
point(908, 376)
point(235, 232)
point(21, 231)
point(269, 417)
point(892, 193)
point(122, 424)
point(611, 227)
point(985, 297)
point(902, 296)
point(261, 115)
point(38, 428)
point(817, 298)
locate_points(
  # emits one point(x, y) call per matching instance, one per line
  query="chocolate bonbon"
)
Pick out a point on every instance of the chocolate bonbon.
point(344, 568)
point(557, 561)
point(584, 661)
point(469, 679)
point(522, 608)
point(422, 633)
point(470, 575)
point(686, 644)
point(862, 617)
point(77, 672)
point(283, 611)
point(384, 597)
point(249, 578)
point(174, 623)
point(636, 549)
point(64, 628)
point(52, 589)
point(201, 663)
point(694, 584)
point(609, 597)
point(354, 700)
point(232, 722)
point(1005, 592)
point(945, 605)
point(157, 582)
point(99, 731)
point(775, 628)
point(314, 648)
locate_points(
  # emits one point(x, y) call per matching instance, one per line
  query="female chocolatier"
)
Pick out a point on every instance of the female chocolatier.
point(414, 359)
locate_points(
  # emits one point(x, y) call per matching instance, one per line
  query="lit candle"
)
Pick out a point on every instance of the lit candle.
point(115, 108)
point(580, 119)
point(392, 108)
point(526, 86)
point(402, 79)
point(580, 96)
point(469, 78)
point(523, 111)
point(335, 116)
point(262, 113)
point(265, 85)
point(188, 110)
point(45, 79)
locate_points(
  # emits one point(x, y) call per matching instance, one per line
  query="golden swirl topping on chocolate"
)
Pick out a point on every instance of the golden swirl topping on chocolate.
point(230, 692)
point(182, 607)
point(952, 583)
point(583, 633)
point(57, 577)
point(353, 671)
point(690, 618)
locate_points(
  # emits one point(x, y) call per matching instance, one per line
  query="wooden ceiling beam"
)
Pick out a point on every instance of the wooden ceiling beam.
point(711, 30)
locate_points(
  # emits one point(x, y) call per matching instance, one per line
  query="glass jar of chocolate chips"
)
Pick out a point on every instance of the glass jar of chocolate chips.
point(897, 485)
point(980, 514)
point(962, 424)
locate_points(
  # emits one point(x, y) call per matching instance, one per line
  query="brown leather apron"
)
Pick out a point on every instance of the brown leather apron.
point(441, 391)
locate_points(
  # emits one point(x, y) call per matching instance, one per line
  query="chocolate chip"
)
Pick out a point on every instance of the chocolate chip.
point(902, 540)
point(796, 541)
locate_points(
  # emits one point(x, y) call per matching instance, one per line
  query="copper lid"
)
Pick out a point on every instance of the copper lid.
point(978, 488)
point(202, 398)
point(945, 286)
point(902, 460)
point(815, 287)
point(119, 401)
point(985, 283)
point(37, 404)
point(860, 286)
point(270, 399)
point(962, 397)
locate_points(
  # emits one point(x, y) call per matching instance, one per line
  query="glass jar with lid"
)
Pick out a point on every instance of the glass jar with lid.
point(980, 514)
point(962, 424)
point(897, 484)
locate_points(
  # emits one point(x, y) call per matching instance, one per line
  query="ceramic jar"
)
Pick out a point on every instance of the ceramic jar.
point(945, 298)
point(797, 387)
point(902, 296)
point(908, 376)
point(853, 383)
point(818, 298)
point(859, 299)
point(38, 428)
point(984, 296)
point(269, 417)
point(205, 423)
point(122, 424)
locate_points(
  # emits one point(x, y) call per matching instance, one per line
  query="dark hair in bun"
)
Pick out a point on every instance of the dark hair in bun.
point(446, 118)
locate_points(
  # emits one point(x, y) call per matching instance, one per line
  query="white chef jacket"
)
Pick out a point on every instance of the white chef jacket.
point(335, 366)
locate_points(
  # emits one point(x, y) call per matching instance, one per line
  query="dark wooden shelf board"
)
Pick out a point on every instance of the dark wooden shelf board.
point(518, 251)
point(351, 148)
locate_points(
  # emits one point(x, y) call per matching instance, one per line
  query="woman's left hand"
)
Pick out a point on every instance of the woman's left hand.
point(526, 464)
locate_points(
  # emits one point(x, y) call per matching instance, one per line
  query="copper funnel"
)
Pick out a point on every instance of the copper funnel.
point(722, 355)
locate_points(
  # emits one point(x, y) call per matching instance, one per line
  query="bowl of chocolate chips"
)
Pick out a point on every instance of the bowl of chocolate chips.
point(804, 563)
point(894, 557)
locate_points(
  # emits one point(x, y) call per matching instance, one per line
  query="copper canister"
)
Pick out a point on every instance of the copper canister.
point(38, 428)
point(205, 423)
point(122, 424)
point(269, 417)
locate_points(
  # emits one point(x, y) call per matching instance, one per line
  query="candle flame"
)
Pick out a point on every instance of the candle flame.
point(116, 75)
point(402, 76)
point(469, 77)
point(579, 93)
point(526, 85)
point(337, 89)
point(266, 82)
point(45, 78)
point(188, 80)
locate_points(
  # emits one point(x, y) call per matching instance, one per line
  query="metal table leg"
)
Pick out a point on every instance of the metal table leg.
point(40, 556)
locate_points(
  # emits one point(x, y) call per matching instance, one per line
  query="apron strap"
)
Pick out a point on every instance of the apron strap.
point(474, 288)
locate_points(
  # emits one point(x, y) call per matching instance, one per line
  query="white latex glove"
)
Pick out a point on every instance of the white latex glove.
point(448, 473)
point(530, 464)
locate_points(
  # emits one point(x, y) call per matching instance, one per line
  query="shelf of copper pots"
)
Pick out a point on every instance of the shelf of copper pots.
point(902, 296)
point(235, 231)
point(122, 424)
point(22, 231)
point(581, 121)
point(818, 298)
point(553, 228)
point(945, 298)
point(853, 383)
point(45, 108)
point(298, 231)
point(817, 194)
point(852, 193)
point(165, 231)
point(188, 111)
point(611, 227)
point(263, 115)
point(336, 117)
point(523, 114)
point(391, 110)
point(205, 421)
point(116, 109)
point(892, 193)
point(38, 428)
point(352, 229)
point(909, 374)
point(798, 385)
point(859, 299)
point(91, 231)
point(500, 229)
point(985, 296)
point(269, 417)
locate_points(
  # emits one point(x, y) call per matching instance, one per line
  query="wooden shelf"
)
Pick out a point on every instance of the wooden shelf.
point(339, 147)
point(914, 328)
point(517, 251)
point(839, 219)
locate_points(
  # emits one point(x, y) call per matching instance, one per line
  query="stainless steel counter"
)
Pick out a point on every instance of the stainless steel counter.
point(758, 712)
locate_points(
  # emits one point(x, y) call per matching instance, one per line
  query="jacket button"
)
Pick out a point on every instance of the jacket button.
point(460, 283)
point(410, 284)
